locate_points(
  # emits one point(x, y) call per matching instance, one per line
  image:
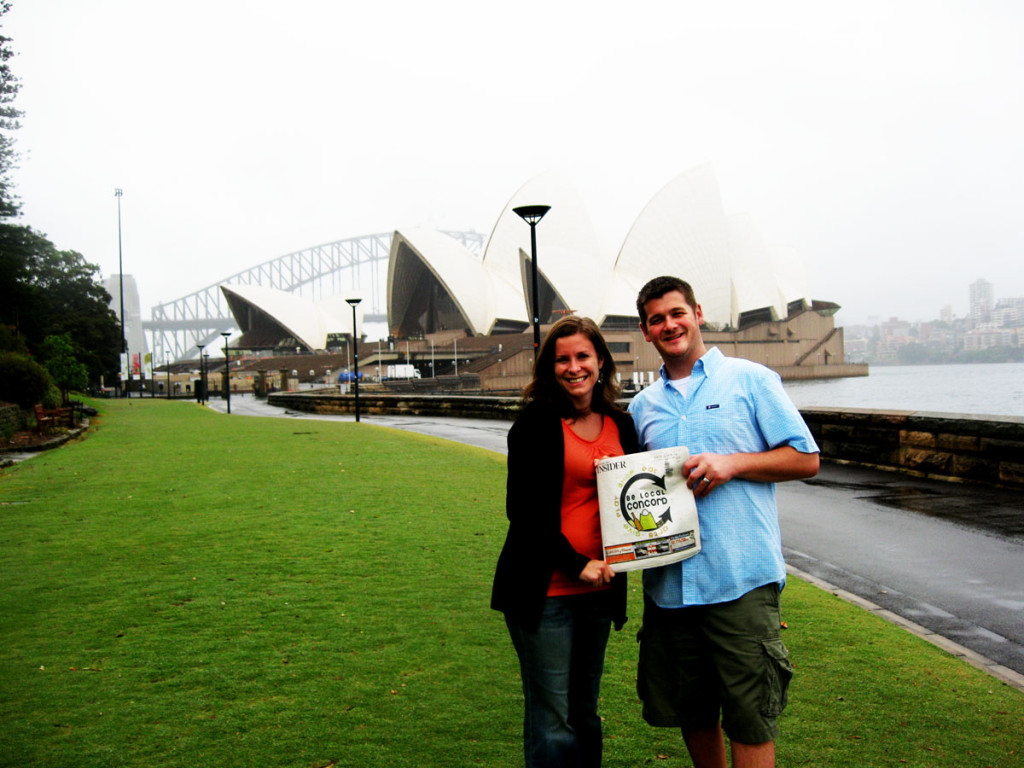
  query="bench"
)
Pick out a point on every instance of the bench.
point(47, 417)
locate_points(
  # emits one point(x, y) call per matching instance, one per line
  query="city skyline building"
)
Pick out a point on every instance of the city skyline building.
point(981, 300)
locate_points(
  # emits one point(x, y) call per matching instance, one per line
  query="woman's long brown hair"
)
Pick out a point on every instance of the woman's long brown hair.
point(545, 387)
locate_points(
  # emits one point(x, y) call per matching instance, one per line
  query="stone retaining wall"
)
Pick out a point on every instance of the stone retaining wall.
point(462, 406)
point(941, 446)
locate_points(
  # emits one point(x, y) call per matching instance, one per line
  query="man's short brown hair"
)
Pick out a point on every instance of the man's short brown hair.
point(658, 287)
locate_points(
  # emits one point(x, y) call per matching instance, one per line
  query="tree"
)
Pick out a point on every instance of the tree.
point(12, 341)
point(45, 292)
point(9, 85)
point(59, 359)
point(23, 381)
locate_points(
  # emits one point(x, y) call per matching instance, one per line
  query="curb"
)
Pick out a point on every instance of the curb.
point(998, 671)
point(9, 457)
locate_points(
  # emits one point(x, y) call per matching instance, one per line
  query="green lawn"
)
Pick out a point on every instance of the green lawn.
point(186, 588)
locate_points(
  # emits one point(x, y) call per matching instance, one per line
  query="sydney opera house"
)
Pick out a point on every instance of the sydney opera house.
point(454, 313)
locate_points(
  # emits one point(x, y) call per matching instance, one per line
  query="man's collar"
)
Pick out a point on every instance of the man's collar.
point(706, 365)
point(711, 361)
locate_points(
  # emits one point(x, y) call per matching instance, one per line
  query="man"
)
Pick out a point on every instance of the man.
point(711, 656)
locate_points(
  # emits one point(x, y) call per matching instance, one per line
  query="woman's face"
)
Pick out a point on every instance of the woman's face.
point(576, 368)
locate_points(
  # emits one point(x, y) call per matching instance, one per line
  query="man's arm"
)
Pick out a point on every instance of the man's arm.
point(774, 466)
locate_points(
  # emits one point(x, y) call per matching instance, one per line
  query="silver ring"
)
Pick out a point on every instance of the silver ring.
point(705, 479)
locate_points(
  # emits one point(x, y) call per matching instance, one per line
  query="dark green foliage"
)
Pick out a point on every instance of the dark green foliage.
point(46, 292)
point(12, 341)
point(43, 291)
point(59, 359)
point(23, 381)
point(9, 84)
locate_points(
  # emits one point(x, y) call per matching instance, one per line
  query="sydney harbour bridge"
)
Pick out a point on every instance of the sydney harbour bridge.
point(358, 264)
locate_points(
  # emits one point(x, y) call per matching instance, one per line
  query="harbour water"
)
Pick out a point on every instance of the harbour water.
point(995, 389)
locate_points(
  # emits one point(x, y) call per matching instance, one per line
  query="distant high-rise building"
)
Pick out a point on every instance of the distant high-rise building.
point(981, 302)
point(1009, 312)
point(946, 313)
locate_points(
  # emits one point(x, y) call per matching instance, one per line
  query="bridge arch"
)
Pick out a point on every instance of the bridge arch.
point(356, 264)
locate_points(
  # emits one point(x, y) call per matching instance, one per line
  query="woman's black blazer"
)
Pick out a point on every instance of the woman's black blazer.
point(535, 545)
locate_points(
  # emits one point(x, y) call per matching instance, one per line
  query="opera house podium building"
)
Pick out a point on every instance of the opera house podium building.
point(464, 319)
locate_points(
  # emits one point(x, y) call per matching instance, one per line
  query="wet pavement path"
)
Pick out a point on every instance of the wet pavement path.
point(947, 556)
point(945, 560)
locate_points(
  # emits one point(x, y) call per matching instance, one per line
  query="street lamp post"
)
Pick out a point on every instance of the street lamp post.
point(200, 388)
point(120, 276)
point(204, 370)
point(227, 370)
point(532, 214)
point(355, 353)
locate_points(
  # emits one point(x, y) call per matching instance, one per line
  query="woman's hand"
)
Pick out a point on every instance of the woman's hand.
point(597, 573)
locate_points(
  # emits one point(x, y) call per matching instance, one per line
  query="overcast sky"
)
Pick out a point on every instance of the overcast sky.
point(882, 140)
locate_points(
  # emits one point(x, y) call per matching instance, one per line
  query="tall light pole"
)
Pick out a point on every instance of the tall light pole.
point(227, 370)
point(205, 372)
point(120, 276)
point(355, 353)
point(201, 387)
point(532, 214)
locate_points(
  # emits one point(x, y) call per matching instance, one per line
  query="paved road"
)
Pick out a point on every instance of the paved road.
point(947, 557)
point(947, 560)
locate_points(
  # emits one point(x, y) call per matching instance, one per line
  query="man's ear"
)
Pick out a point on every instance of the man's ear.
point(643, 330)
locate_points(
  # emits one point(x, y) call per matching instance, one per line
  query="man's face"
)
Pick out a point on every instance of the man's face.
point(673, 327)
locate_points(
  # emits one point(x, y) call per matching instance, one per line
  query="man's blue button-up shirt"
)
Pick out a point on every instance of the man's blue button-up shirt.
point(732, 406)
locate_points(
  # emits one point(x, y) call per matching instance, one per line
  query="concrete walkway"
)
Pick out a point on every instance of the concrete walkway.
point(945, 561)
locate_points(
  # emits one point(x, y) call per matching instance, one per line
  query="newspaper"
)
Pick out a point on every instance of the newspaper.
point(648, 515)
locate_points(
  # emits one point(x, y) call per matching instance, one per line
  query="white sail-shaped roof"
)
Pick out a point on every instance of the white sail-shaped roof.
point(569, 256)
point(435, 283)
point(754, 285)
point(682, 232)
point(790, 275)
point(307, 322)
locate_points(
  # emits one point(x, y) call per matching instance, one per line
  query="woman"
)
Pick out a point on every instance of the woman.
point(558, 594)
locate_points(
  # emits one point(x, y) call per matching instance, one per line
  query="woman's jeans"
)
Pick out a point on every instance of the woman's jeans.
point(561, 663)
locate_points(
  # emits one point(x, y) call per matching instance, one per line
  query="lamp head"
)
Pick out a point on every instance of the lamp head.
point(531, 214)
point(353, 302)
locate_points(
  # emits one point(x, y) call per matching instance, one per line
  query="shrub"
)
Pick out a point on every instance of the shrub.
point(22, 380)
point(11, 340)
